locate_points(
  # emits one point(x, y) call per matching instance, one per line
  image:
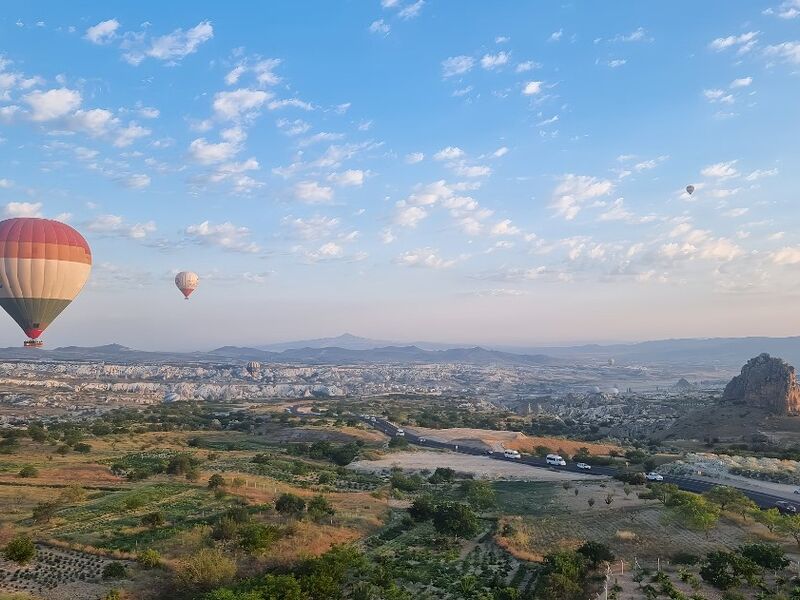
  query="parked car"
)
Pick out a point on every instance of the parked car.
point(653, 476)
point(786, 507)
point(584, 466)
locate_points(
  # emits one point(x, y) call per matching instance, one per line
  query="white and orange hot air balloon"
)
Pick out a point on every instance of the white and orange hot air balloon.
point(186, 281)
point(43, 266)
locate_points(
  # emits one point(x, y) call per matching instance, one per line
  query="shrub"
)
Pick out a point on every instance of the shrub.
point(422, 508)
point(20, 550)
point(153, 519)
point(256, 537)
point(216, 481)
point(207, 569)
point(149, 559)
point(319, 508)
point(82, 447)
point(115, 570)
point(595, 553)
point(290, 505)
point(456, 519)
point(28, 471)
point(769, 556)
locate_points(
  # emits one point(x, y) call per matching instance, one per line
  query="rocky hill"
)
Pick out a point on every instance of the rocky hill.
point(765, 382)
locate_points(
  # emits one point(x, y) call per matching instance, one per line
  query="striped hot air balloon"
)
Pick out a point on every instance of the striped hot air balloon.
point(43, 266)
point(186, 281)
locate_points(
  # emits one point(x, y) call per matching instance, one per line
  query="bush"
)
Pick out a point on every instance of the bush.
point(319, 508)
point(28, 471)
point(20, 550)
point(216, 481)
point(422, 508)
point(769, 556)
point(256, 537)
point(207, 569)
point(726, 570)
point(685, 558)
point(153, 519)
point(456, 519)
point(82, 447)
point(595, 553)
point(149, 559)
point(115, 570)
point(290, 505)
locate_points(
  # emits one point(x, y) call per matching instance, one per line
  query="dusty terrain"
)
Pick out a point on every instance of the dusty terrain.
point(497, 440)
point(478, 466)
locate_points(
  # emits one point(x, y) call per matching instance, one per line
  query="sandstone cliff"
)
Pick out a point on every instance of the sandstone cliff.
point(766, 382)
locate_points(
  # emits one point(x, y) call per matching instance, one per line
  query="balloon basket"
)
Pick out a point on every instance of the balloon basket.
point(33, 343)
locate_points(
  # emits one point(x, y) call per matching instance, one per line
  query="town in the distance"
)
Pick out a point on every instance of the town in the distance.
point(348, 468)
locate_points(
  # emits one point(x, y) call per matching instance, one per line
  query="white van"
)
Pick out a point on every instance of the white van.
point(555, 459)
point(511, 454)
point(400, 433)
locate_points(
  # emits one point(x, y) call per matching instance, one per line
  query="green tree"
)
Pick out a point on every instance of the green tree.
point(115, 570)
point(44, 511)
point(693, 511)
point(770, 518)
point(37, 433)
point(595, 553)
point(319, 508)
point(441, 474)
point(664, 491)
point(280, 587)
point(255, 537)
point(216, 481)
point(790, 525)
point(563, 577)
point(729, 498)
point(82, 447)
point(422, 508)
point(726, 570)
point(768, 556)
point(20, 550)
point(479, 494)
point(290, 505)
point(456, 519)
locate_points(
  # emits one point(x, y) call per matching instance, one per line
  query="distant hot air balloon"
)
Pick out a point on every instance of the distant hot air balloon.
point(690, 189)
point(253, 367)
point(186, 282)
point(43, 266)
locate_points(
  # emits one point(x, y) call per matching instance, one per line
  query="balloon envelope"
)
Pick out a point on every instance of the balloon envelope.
point(186, 281)
point(253, 367)
point(690, 189)
point(43, 266)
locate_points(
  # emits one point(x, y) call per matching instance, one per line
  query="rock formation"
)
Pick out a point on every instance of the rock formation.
point(766, 382)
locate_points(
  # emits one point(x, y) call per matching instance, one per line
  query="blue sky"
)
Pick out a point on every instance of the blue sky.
point(499, 172)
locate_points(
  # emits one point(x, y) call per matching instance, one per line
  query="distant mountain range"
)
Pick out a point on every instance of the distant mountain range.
point(350, 349)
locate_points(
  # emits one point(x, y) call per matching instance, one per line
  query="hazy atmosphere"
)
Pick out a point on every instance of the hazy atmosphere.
point(458, 172)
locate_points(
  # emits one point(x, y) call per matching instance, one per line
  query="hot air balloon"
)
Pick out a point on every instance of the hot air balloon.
point(186, 282)
point(43, 266)
point(690, 189)
point(253, 367)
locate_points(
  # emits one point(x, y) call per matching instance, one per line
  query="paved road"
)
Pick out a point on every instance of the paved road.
point(685, 483)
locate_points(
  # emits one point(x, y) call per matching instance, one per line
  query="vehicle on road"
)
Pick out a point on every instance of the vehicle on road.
point(796, 491)
point(512, 454)
point(400, 433)
point(584, 466)
point(423, 440)
point(555, 459)
point(785, 507)
point(653, 476)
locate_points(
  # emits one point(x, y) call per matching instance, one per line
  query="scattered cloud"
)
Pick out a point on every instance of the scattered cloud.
point(532, 88)
point(23, 209)
point(380, 26)
point(103, 32)
point(427, 258)
point(457, 65)
point(495, 61)
point(117, 226)
point(574, 190)
point(721, 170)
point(311, 192)
point(52, 104)
point(170, 48)
point(226, 236)
point(743, 42)
point(414, 158)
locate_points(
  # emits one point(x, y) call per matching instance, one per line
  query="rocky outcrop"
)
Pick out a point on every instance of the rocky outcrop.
point(766, 382)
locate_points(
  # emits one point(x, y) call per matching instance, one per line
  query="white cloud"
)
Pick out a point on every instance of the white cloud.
point(239, 103)
point(464, 170)
point(556, 36)
point(741, 82)
point(526, 66)
point(721, 170)
point(148, 112)
point(449, 153)
point(52, 104)
point(290, 102)
point(292, 128)
point(225, 235)
point(457, 65)
point(208, 153)
point(789, 9)
point(743, 42)
point(717, 95)
point(427, 258)
point(786, 256)
point(501, 151)
point(788, 51)
point(573, 190)
point(494, 61)
point(23, 209)
point(617, 212)
point(136, 181)
point(532, 88)
point(387, 235)
point(414, 158)
point(411, 10)
point(313, 228)
point(6, 183)
point(311, 192)
point(171, 48)
point(349, 178)
point(409, 216)
point(380, 26)
point(637, 35)
point(103, 32)
point(504, 228)
point(736, 212)
point(760, 174)
point(116, 225)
